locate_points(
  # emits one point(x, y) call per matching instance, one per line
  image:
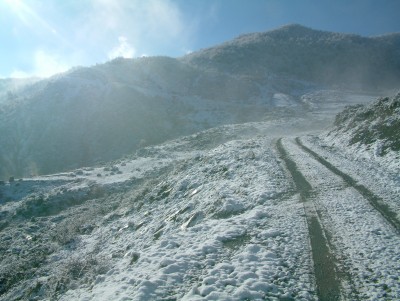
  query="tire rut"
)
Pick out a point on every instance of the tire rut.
point(376, 202)
point(326, 276)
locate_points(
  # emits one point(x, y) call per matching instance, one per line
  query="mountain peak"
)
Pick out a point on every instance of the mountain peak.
point(282, 31)
point(293, 27)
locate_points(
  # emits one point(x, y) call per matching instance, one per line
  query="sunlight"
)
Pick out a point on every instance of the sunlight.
point(13, 3)
point(25, 14)
point(18, 7)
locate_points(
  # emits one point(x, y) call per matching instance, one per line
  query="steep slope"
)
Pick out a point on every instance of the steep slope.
point(106, 111)
point(346, 60)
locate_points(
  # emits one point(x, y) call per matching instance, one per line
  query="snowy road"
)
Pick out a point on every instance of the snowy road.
point(363, 238)
point(326, 276)
point(377, 202)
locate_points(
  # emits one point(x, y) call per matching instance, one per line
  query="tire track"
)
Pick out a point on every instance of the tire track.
point(376, 202)
point(327, 279)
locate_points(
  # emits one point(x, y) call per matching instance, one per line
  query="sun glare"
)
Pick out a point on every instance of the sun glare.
point(29, 16)
point(15, 4)
point(20, 9)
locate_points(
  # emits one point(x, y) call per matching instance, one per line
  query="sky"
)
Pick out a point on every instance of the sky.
point(44, 37)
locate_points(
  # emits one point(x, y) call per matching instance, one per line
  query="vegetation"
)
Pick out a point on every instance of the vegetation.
point(379, 121)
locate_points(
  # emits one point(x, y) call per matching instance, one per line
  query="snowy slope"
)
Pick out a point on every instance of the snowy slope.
point(211, 216)
point(181, 220)
point(370, 132)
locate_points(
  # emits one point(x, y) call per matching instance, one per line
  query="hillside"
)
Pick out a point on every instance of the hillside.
point(370, 131)
point(100, 113)
point(12, 88)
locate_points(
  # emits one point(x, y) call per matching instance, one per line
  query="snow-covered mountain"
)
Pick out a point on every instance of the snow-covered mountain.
point(101, 113)
point(295, 51)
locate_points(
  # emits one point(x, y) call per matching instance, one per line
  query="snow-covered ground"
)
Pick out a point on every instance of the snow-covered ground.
point(212, 216)
point(382, 179)
point(367, 247)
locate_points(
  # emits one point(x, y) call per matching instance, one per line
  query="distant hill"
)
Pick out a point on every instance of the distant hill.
point(100, 113)
point(103, 112)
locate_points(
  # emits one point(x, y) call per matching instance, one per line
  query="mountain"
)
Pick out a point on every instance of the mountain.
point(100, 113)
point(346, 60)
point(103, 112)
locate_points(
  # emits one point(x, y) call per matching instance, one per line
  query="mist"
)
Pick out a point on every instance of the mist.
point(97, 114)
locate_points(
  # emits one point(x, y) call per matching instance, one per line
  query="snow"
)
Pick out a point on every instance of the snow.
point(283, 100)
point(369, 247)
point(211, 216)
point(214, 226)
point(363, 153)
point(382, 179)
point(195, 263)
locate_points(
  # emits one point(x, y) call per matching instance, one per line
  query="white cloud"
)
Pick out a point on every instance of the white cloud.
point(124, 49)
point(45, 65)
point(152, 26)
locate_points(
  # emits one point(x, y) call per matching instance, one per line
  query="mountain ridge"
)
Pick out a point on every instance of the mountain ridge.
point(309, 54)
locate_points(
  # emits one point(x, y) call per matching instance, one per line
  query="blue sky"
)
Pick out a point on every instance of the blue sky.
point(43, 37)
